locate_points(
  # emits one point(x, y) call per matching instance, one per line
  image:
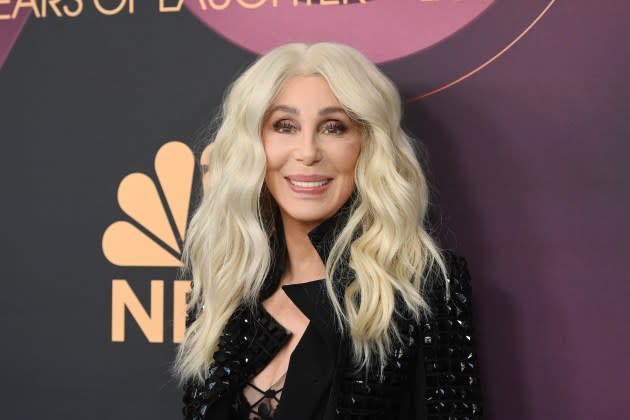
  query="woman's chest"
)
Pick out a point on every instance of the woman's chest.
point(321, 380)
point(285, 313)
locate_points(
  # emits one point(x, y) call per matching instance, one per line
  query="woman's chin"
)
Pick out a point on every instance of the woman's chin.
point(307, 215)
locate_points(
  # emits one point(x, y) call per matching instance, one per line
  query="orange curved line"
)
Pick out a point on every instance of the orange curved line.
point(488, 62)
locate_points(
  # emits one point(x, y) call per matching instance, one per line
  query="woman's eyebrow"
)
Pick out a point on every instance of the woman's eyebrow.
point(286, 108)
point(331, 110)
point(295, 111)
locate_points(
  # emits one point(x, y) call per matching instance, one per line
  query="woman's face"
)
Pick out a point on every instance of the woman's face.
point(312, 147)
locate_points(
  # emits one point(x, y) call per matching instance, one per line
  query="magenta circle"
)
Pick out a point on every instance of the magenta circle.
point(382, 30)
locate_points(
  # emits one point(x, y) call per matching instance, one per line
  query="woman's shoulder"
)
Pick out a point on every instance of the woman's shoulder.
point(455, 287)
point(449, 299)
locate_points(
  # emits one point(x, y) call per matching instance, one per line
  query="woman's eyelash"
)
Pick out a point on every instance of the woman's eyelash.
point(329, 127)
point(334, 127)
point(283, 126)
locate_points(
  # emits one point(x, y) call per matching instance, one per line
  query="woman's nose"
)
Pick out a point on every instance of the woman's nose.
point(308, 149)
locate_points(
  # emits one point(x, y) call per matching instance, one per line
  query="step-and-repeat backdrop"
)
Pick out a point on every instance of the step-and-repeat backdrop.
point(105, 106)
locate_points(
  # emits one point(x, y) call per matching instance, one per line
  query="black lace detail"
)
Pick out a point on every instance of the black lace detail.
point(247, 345)
point(261, 409)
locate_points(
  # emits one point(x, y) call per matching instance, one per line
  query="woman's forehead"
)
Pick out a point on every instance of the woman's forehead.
point(302, 93)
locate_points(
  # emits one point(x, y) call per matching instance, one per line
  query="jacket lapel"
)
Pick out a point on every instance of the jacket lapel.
point(313, 361)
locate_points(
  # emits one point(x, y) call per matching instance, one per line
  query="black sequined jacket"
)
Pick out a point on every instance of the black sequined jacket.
point(433, 374)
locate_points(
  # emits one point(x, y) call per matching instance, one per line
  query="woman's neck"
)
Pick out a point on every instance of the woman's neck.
point(303, 262)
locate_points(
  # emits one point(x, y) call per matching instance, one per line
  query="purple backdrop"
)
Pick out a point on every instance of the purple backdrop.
point(533, 152)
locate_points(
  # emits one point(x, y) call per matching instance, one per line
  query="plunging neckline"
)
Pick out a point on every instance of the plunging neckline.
point(308, 324)
point(255, 404)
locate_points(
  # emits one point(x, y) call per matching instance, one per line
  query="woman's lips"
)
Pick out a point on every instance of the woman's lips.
point(308, 184)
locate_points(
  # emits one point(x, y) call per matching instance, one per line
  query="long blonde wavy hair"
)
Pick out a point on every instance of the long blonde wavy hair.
point(227, 246)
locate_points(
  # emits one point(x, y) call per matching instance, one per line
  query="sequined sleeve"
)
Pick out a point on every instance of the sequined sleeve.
point(199, 396)
point(449, 350)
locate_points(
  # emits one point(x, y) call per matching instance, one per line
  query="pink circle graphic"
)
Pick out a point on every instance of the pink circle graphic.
point(375, 27)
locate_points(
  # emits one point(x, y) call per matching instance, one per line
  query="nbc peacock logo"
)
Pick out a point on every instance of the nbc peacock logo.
point(151, 234)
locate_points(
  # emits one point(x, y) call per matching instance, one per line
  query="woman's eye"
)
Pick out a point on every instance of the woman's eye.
point(334, 127)
point(284, 126)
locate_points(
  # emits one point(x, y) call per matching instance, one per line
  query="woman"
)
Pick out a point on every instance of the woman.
point(317, 292)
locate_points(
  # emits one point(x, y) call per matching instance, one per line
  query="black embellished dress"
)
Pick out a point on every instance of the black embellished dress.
point(432, 372)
